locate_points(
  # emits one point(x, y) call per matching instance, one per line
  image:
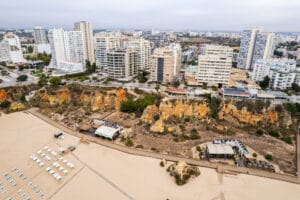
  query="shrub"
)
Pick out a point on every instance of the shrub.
point(269, 157)
point(5, 104)
point(194, 134)
point(22, 78)
point(287, 139)
point(154, 149)
point(254, 155)
point(274, 133)
point(139, 146)
point(198, 148)
point(55, 81)
point(162, 164)
point(129, 142)
point(259, 132)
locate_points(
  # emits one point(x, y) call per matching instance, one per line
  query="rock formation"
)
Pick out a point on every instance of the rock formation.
point(182, 172)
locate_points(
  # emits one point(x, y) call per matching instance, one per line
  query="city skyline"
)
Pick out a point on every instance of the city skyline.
point(170, 15)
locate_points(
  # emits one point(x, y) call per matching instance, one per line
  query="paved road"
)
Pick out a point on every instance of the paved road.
point(145, 153)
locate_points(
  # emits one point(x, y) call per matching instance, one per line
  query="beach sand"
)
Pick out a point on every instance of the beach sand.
point(103, 173)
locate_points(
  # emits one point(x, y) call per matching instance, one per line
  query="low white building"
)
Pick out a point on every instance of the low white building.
point(282, 72)
point(109, 130)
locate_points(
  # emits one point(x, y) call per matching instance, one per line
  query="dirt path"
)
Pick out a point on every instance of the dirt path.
point(144, 153)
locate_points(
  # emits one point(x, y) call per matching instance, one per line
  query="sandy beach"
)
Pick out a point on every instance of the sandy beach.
point(103, 173)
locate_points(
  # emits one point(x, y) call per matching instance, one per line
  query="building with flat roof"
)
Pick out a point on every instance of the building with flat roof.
point(67, 50)
point(87, 33)
point(122, 64)
point(165, 64)
point(40, 35)
point(255, 44)
point(223, 151)
point(282, 72)
point(11, 50)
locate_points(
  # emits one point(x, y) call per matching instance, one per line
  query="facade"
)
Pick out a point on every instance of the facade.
point(214, 67)
point(104, 42)
point(282, 72)
point(223, 51)
point(10, 49)
point(122, 64)
point(67, 49)
point(255, 44)
point(87, 30)
point(164, 66)
point(298, 54)
point(40, 35)
point(143, 49)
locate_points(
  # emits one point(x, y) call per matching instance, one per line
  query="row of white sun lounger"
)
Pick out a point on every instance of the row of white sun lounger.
point(53, 173)
point(36, 189)
point(23, 194)
point(38, 161)
point(3, 190)
point(61, 168)
point(69, 164)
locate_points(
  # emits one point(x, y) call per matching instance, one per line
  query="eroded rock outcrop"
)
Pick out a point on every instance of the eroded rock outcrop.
point(182, 172)
point(230, 113)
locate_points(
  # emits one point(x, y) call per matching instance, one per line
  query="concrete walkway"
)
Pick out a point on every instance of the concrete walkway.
point(145, 153)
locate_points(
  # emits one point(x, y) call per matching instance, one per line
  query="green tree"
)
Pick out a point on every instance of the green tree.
point(30, 49)
point(22, 78)
point(43, 81)
point(265, 83)
point(55, 81)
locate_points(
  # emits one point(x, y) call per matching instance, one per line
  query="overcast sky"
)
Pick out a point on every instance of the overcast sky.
point(274, 15)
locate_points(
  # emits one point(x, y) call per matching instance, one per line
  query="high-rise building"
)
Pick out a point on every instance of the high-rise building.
point(87, 30)
point(255, 44)
point(67, 49)
point(214, 67)
point(40, 35)
point(104, 42)
point(165, 64)
point(143, 49)
point(122, 64)
point(41, 41)
point(298, 54)
point(10, 49)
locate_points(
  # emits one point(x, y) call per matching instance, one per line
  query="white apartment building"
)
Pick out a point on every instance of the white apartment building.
point(164, 65)
point(104, 42)
point(10, 49)
point(282, 72)
point(122, 64)
point(40, 35)
point(41, 41)
point(214, 65)
point(255, 44)
point(143, 49)
point(87, 30)
point(67, 49)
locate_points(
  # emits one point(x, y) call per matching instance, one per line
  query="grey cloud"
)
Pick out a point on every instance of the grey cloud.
point(276, 15)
